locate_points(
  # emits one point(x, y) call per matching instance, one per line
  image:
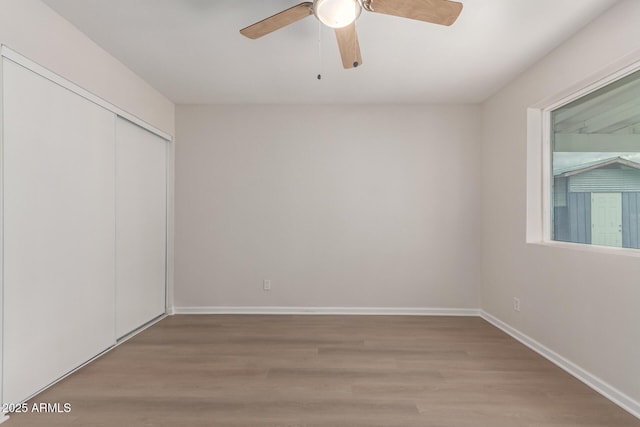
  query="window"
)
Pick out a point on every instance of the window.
point(595, 167)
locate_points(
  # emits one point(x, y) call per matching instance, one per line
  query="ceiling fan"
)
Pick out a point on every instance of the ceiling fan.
point(342, 14)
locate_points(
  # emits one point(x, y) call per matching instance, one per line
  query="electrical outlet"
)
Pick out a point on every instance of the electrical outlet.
point(266, 285)
point(516, 304)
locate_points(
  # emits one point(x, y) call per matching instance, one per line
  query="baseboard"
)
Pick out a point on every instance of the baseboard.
point(611, 393)
point(377, 311)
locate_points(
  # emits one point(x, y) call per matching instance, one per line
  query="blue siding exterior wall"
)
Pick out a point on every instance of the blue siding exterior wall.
point(573, 222)
point(631, 220)
point(605, 180)
point(579, 205)
point(572, 203)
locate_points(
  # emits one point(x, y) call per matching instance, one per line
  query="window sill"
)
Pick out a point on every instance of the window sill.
point(609, 250)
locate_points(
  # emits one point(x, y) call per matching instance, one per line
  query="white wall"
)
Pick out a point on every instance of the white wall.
point(34, 30)
point(583, 305)
point(340, 206)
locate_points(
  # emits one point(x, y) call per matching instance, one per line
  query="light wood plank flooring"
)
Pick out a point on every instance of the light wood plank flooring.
point(324, 371)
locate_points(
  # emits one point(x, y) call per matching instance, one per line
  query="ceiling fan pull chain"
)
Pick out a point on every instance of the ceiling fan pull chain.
point(319, 50)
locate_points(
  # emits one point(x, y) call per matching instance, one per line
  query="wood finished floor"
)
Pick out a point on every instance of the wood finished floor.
point(324, 371)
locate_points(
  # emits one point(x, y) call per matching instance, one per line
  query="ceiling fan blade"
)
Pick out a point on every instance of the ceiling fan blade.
point(349, 46)
point(441, 12)
point(279, 20)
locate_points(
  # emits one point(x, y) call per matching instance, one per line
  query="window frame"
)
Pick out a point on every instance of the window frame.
point(539, 216)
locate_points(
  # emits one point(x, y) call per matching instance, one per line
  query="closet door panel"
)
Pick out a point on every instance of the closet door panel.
point(140, 226)
point(59, 261)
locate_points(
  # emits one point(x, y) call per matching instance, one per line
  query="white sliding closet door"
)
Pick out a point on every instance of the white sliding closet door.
point(141, 210)
point(58, 160)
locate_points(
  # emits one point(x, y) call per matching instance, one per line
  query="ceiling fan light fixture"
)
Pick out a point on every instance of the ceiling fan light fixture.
point(337, 13)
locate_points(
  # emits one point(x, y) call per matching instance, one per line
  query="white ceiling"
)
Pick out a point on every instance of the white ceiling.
point(192, 52)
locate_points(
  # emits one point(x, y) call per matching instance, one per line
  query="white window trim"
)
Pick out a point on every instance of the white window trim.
point(538, 197)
